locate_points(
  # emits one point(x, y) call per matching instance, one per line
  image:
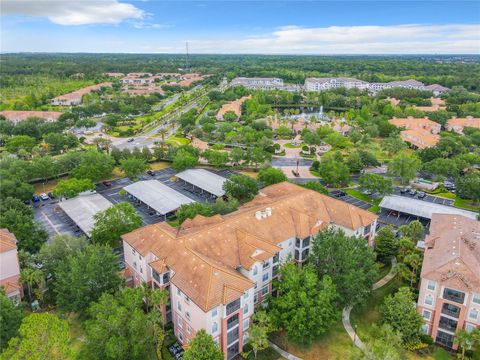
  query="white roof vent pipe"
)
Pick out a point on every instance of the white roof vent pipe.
point(258, 215)
point(268, 211)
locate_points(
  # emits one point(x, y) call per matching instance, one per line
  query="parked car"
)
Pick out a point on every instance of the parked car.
point(421, 195)
point(107, 183)
point(404, 190)
point(35, 198)
point(412, 192)
point(150, 172)
point(44, 196)
point(131, 140)
point(367, 192)
point(51, 196)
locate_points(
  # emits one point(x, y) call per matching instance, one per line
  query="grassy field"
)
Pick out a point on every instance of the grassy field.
point(292, 146)
point(177, 141)
point(361, 196)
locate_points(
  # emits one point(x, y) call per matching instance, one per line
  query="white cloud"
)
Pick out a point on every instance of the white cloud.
point(398, 39)
point(74, 12)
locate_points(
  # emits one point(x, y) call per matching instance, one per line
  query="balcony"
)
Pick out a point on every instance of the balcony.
point(275, 271)
point(232, 336)
point(276, 258)
point(447, 324)
point(451, 310)
point(454, 295)
point(232, 322)
point(233, 306)
point(156, 276)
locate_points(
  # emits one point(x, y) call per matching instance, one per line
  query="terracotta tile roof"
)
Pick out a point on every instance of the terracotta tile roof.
point(16, 116)
point(452, 254)
point(205, 253)
point(415, 123)
point(460, 123)
point(420, 138)
point(11, 286)
point(235, 106)
point(8, 241)
point(77, 95)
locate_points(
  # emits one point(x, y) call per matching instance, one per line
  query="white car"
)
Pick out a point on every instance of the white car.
point(44, 196)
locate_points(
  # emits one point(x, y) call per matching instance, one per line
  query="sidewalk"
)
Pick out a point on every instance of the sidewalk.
point(346, 311)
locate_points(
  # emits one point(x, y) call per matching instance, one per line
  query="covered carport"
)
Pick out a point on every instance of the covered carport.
point(203, 180)
point(156, 196)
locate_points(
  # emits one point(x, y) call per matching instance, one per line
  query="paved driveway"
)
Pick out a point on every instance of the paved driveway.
point(284, 161)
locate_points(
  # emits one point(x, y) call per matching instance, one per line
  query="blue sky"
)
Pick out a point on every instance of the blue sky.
point(271, 27)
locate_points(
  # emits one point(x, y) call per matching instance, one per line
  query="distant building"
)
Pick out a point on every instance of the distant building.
point(16, 116)
point(457, 124)
point(449, 297)
point(420, 132)
point(114, 74)
point(75, 97)
point(9, 265)
point(327, 83)
point(258, 83)
point(218, 269)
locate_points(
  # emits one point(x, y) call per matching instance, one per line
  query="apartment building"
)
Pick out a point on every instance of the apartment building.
point(9, 265)
point(258, 83)
point(16, 116)
point(218, 269)
point(75, 97)
point(457, 124)
point(449, 297)
point(421, 133)
point(327, 83)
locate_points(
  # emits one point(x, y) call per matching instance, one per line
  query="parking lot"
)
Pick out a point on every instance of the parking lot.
point(428, 198)
point(340, 195)
point(398, 219)
point(56, 222)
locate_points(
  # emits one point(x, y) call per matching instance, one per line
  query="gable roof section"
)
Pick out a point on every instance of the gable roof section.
point(8, 241)
point(452, 254)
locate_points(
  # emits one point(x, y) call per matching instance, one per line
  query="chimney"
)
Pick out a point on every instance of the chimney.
point(258, 215)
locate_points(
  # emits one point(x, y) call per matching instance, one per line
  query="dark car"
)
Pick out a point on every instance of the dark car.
point(421, 195)
point(130, 140)
point(107, 183)
point(35, 198)
point(150, 172)
point(51, 196)
point(412, 192)
point(404, 190)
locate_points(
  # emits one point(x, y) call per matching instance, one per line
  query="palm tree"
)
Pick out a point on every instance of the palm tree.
point(467, 340)
point(30, 277)
point(162, 133)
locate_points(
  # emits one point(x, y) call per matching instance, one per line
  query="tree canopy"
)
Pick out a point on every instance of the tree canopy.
point(270, 176)
point(203, 347)
point(242, 188)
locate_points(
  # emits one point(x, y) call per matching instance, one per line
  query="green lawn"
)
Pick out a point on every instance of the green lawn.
point(361, 196)
point(292, 146)
point(177, 141)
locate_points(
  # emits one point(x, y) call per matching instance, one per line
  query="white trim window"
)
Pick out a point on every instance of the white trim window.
point(476, 299)
point(426, 314)
point(246, 324)
point(214, 313)
point(431, 285)
point(428, 300)
point(214, 328)
point(473, 314)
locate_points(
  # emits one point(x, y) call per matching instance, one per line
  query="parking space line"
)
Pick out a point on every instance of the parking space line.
point(50, 222)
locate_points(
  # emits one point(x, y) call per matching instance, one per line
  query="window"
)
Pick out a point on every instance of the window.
point(276, 258)
point(246, 324)
point(214, 328)
point(187, 299)
point(297, 242)
point(179, 292)
point(428, 300)
point(187, 315)
point(180, 321)
point(473, 314)
point(426, 314)
point(232, 307)
point(469, 327)
point(245, 309)
point(245, 338)
point(367, 229)
point(255, 298)
point(265, 290)
point(306, 241)
point(297, 255)
point(265, 277)
point(179, 306)
point(476, 298)
point(180, 336)
point(134, 252)
point(214, 313)
point(266, 264)
point(141, 270)
point(275, 270)
point(431, 285)
point(232, 322)
point(156, 276)
point(425, 329)
point(451, 310)
point(444, 339)
point(140, 257)
point(447, 324)
point(188, 329)
point(166, 278)
point(453, 295)
point(245, 296)
point(135, 264)
point(255, 271)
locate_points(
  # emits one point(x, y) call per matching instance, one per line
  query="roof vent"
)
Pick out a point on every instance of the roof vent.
point(258, 215)
point(268, 211)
